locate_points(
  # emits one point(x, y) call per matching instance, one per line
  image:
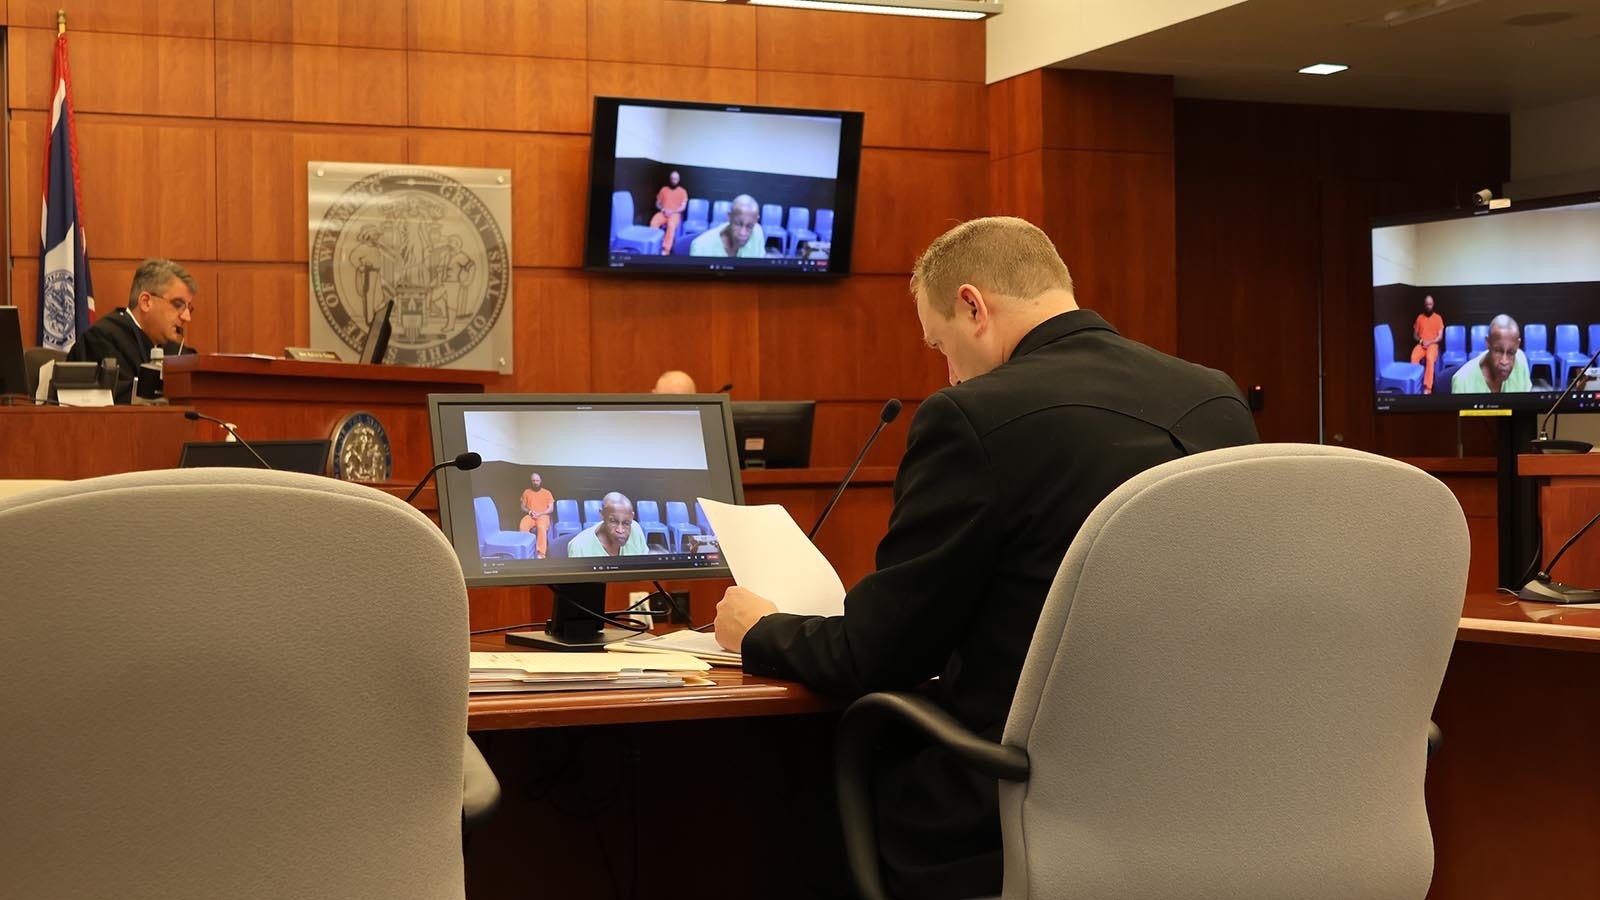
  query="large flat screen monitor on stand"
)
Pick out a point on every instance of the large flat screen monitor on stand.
point(577, 490)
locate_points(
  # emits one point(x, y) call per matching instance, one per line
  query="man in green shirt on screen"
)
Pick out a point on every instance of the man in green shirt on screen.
point(1500, 369)
point(614, 536)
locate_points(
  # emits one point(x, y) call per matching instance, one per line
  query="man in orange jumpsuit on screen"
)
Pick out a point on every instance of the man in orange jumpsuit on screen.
point(537, 503)
point(1429, 331)
point(671, 201)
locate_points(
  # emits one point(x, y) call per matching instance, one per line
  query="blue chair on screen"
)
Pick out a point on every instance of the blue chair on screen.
point(495, 541)
point(591, 513)
point(772, 226)
point(567, 521)
point(625, 235)
point(799, 228)
point(825, 225)
point(697, 219)
point(1569, 352)
point(1536, 347)
point(1480, 340)
point(701, 520)
point(1455, 349)
point(650, 521)
point(679, 524)
point(719, 212)
point(1405, 377)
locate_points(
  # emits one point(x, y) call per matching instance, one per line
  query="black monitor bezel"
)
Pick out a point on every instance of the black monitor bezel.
point(13, 355)
point(602, 157)
point(436, 402)
point(788, 411)
point(1531, 401)
point(247, 460)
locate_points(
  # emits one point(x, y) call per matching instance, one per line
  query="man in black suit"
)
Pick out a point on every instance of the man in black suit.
point(1048, 411)
point(160, 306)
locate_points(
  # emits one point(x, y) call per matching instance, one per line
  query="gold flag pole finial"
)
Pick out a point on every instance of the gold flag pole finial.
point(61, 22)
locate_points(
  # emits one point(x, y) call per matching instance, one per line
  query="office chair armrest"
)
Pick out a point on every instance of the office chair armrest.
point(860, 730)
point(480, 790)
point(1435, 737)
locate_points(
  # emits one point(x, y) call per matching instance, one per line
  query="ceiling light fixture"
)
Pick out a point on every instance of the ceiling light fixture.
point(1411, 12)
point(1323, 69)
point(928, 9)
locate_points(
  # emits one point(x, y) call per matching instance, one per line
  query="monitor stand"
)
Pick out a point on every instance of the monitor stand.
point(570, 627)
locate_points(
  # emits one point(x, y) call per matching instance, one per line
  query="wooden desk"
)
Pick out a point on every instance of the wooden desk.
point(64, 442)
point(1569, 496)
point(736, 695)
point(1513, 810)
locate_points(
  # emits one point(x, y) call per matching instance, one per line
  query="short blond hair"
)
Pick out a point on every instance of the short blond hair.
point(1002, 254)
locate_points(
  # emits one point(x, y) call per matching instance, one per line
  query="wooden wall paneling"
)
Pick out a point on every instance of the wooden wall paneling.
point(1016, 115)
point(857, 339)
point(549, 186)
point(897, 109)
point(1016, 186)
point(1248, 250)
point(340, 23)
point(1565, 504)
point(910, 197)
point(1106, 111)
point(842, 426)
point(694, 35)
point(179, 18)
point(551, 28)
point(671, 82)
point(24, 286)
point(555, 349)
point(497, 93)
point(1111, 217)
point(305, 83)
point(798, 40)
point(148, 75)
point(262, 307)
point(26, 135)
point(640, 328)
point(148, 189)
point(262, 172)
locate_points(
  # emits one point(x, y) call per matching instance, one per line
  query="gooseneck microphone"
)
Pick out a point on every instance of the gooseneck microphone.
point(1542, 589)
point(1544, 443)
point(194, 416)
point(890, 411)
point(725, 388)
point(466, 462)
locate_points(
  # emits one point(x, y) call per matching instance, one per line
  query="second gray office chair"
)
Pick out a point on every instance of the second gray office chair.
point(1228, 691)
point(257, 691)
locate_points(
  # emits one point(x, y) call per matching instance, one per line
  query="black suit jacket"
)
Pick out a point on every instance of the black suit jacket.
point(999, 474)
point(115, 335)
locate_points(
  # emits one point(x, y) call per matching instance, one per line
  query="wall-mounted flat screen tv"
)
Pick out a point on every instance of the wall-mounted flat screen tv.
point(1488, 309)
point(710, 189)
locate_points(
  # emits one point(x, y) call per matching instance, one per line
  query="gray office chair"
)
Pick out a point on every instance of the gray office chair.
point(33, 359)
point(1227, 694)
point(258, 691)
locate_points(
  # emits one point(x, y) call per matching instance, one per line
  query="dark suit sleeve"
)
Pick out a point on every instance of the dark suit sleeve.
point(97, 344)
point(902, 622)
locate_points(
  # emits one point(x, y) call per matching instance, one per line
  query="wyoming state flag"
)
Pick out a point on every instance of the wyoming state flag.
point(66, 298)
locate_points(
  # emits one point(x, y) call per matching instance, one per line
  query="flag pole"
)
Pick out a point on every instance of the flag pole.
point(61, 22)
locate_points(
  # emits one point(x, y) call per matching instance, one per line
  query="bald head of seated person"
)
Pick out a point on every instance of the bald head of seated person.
point(674, 382)
point(740, 236)
point(160, 307)
point(1500, 368)
point(614, 536)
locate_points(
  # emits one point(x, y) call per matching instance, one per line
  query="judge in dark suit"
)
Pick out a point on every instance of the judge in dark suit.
point(160, 306)
point(1048, 411)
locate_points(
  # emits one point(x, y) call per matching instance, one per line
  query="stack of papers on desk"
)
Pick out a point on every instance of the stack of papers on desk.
point(699, 644)
point(501, 672)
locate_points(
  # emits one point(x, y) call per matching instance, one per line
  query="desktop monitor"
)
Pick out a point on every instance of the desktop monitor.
point(621, 474)
point(13, 371)
point(1520, 285)
point(378, 331)
point(773, 434)
point(309, 457)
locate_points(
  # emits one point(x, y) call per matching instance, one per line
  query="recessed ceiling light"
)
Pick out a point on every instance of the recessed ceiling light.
point(1323, 69)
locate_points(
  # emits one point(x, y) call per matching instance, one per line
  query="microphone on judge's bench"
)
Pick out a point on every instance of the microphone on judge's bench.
point(466, 462)
point(891, 409)
point(194, 416)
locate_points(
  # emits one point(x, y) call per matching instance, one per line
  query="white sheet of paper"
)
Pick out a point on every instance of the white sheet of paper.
point(583, 663)
point(770, 555)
